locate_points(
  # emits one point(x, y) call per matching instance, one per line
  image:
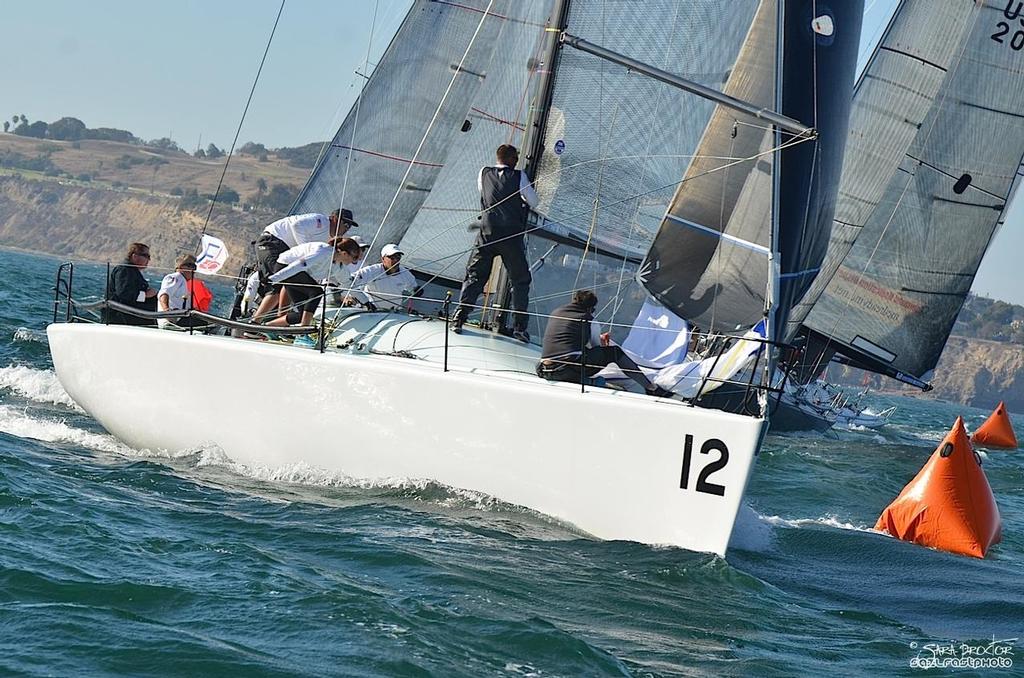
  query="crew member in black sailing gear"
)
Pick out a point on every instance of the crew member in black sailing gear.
point(505, 198)
point(570, 329)
point(128, 286)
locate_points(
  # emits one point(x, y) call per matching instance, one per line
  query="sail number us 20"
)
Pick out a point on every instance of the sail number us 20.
point(703, 482)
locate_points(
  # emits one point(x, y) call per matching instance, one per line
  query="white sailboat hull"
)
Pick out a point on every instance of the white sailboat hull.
point(612, 463)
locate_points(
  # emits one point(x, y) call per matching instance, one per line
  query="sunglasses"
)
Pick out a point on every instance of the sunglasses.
point(144, 255)
point(395, 257)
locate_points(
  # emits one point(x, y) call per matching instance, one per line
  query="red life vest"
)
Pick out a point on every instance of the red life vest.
point(201, 295)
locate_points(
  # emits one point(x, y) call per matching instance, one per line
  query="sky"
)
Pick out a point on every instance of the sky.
point(183, 69)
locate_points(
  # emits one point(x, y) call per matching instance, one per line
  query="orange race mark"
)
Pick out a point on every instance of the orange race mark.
point(949, 504)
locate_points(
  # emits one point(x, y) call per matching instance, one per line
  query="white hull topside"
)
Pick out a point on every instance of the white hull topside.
point(617, 465)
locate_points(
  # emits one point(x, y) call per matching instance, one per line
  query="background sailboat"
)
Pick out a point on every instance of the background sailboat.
point(934, 159)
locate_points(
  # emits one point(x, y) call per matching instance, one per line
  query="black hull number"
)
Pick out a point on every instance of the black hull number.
point(712, 445)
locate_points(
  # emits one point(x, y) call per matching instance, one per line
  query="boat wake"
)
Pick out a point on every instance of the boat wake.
point(17, 422)
point(39, 386)
point(24, 334)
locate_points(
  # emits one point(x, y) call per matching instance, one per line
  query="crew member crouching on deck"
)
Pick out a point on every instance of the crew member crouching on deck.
point(571, 337)
point(301, 268)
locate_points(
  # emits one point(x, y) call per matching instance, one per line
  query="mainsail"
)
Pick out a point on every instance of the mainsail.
point(710, 261)
point(391, 149)
point(892, 302)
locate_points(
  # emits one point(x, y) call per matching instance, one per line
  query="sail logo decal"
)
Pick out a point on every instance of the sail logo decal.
point(702, 481)
point(1013, 11)
point(559, 147)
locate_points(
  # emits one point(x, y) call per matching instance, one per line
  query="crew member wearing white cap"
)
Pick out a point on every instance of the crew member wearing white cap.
point(384, 285)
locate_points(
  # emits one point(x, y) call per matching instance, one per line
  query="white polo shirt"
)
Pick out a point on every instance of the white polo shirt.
point(301, 228)
point(385, 291)
point(315, 258)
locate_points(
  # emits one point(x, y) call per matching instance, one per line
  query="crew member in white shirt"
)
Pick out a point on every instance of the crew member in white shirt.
point(290, 232)
point(384, 285)
point(181, 290)
point(340, 286)
point(301, 269)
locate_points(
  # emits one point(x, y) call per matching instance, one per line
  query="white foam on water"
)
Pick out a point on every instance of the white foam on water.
point(23, 334)
point(751, 532)
point(827, 520)
point(18, 423)
point(41, 386)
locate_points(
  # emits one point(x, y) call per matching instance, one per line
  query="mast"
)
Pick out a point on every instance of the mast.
point(533, 138)
point(772, 291)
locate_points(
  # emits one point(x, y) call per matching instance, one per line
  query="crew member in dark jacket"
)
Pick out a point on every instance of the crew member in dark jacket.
point(505, 198)
point(572, 338)
point(128, 286)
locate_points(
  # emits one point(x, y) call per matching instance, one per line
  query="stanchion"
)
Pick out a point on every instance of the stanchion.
point(323, 320)
point(447, 321)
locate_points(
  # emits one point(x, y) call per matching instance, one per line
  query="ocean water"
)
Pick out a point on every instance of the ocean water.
point(115, 562)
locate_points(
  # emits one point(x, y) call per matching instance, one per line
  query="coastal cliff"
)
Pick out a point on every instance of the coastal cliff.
point(97, 224)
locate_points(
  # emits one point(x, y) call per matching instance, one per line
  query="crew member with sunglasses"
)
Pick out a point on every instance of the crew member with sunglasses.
point(385, 285)
point(128, 286)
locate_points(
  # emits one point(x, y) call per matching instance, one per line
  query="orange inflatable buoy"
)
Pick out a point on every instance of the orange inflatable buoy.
point(949, 504)
point(996, 431)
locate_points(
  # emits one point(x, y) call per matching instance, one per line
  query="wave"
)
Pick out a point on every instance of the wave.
point(300, 473)
point(827, 520)
point(41, 386)
point(24, 334)
point(18, 423)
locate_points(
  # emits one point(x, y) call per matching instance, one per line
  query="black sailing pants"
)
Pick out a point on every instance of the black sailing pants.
point(513, 257)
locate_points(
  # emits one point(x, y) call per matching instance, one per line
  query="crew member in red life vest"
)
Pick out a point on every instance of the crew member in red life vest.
point(181, 290)
point(506, 197)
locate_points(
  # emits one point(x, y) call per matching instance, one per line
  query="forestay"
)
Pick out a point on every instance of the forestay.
point(893, 301)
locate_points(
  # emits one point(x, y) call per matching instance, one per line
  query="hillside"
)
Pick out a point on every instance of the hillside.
point(90, 198)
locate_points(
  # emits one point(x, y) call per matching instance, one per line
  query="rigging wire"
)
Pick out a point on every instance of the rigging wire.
point(433, 120)
point(359, 100)
point(238, 131)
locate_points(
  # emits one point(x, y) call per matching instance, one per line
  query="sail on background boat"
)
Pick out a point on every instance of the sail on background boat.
point(892, 302)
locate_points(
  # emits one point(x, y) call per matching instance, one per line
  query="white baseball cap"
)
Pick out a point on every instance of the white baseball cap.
point(390, 250)
point(359, 241)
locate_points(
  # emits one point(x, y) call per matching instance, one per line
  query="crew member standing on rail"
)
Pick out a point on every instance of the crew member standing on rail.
point(506, 197)
point(289, 232)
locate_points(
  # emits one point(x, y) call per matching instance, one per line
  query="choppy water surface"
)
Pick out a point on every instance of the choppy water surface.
point(115, 562)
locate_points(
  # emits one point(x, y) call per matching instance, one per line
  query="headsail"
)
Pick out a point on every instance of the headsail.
point(616, 142)
point(892, 303)
point(710, 260)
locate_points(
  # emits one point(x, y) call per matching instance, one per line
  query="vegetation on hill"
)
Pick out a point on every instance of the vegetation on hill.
point(984, 318)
